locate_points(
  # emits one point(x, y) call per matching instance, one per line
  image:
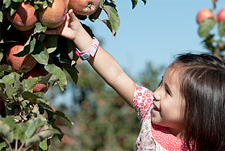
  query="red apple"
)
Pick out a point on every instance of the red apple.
point(84, 7)
point(36, 72)
point(19, 64)
point(55, 14)
point(204, 14)
point(221, 15)
point(24, 18)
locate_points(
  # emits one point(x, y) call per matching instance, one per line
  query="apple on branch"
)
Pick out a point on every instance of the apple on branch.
point(24, 18)
point(204, 14)
point(36, 72)
point(221, 15)
point(19, 64)
point(84, 7)
point(55, 14)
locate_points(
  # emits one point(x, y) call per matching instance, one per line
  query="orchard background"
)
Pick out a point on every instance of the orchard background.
point(96, 117)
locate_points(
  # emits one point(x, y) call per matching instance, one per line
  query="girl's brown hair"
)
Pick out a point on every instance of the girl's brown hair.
point(203, 87)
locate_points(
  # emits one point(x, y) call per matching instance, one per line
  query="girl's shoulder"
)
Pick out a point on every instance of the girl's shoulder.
point(142, 101)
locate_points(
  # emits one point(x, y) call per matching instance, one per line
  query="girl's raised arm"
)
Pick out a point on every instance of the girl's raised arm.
point(103, 63)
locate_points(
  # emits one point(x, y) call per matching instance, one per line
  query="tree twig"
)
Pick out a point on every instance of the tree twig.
point(10, 147)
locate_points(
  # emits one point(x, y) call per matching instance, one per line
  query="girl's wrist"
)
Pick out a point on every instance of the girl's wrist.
point(83, 40)
point(90, 52)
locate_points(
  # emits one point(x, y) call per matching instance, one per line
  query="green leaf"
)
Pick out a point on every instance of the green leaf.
point(37, 98)
point(6, 132)
point(17, 1)
point(6, 67)
point(2, 94)
point(205, 27)
point(6, 4)
point(6, 128)
point(59, 113)
point(14, 5)
point(2, 145)
point(52, 68)
point(10, 91)
point(18, 118)
point(43, 145)
point(114, 21)
point(134, 3)
point(221, 28)
point(17, 85)
point(29, 84)
point(9, 120)
point(10, 78)
point(2, 87)
point(52, 43)
point(72, 47)
point(29, 128)
point(41, 37)
point(2, 73)
point(144, 1)
point(38, 137)
point(73, 72)
point(95, 16)
point(45, 3)
point(36, 49)
point(39, 28)
point(2, 83)
point(40, 53)
point(1, 16)
point(28, 47)
point(1, 56)
point(18, 130)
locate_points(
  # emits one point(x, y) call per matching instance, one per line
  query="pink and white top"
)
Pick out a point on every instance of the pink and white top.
point(152, 137)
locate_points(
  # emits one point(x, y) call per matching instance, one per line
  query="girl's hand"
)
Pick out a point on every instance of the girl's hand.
point(73, 30)
point(69, 29)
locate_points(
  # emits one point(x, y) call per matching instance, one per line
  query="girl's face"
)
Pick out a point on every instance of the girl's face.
point(168, 110)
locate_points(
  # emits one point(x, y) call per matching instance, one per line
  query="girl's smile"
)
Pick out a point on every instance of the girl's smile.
point(168, 106)
point(155, 110)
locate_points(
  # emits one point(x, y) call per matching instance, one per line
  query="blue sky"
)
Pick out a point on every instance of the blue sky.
point(154, 32)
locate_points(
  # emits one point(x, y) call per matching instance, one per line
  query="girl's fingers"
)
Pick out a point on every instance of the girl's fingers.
point(59, 29)
point(72, 15)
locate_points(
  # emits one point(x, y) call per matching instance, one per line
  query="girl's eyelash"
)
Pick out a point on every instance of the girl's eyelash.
point(167, 91)
point(160, 83)
point(166, 87)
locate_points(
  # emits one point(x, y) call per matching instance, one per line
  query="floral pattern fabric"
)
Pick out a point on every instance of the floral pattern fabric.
point(152, 137)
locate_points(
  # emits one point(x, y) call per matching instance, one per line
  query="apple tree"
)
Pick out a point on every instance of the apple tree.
point(31, 62)
point(212, 30)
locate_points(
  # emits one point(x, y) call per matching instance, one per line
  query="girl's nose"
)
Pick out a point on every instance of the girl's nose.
point(156, 95)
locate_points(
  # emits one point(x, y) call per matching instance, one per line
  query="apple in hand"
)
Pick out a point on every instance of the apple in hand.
point(24, 18)
point(204, 14)
point(19, 64)
point(221, 15)
point(84, 7)
point(36, 72)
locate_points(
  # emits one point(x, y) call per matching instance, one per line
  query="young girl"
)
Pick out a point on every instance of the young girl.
point(187, 110)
